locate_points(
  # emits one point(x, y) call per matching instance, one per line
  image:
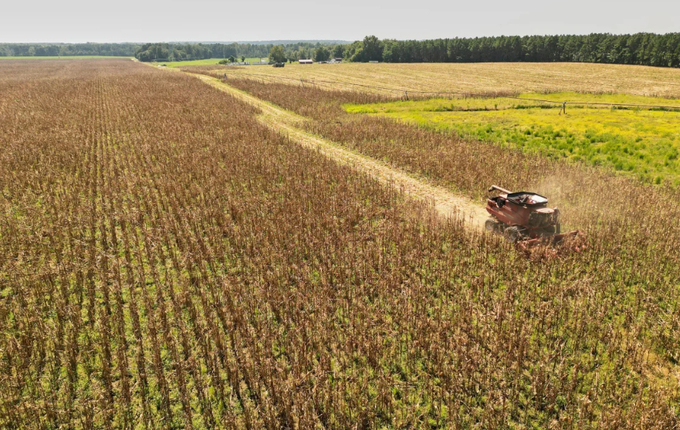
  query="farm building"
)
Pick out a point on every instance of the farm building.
point(306, 61)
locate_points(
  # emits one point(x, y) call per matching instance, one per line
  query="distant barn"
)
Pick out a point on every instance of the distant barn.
point(306, 61)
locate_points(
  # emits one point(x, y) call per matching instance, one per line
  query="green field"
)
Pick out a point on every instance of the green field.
point(640, 141)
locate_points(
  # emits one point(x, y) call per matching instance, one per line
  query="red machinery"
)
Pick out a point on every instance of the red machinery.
point(524, 216)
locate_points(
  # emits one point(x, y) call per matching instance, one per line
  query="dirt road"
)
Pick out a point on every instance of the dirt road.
point(446, 203)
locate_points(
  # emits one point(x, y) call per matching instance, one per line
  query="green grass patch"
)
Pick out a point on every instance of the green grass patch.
point(638, 141)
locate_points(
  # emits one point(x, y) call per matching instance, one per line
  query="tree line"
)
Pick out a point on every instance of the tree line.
point(200, 51)
point(278, 54)
point(662, 50)
point(67, 49)
point(164, 51)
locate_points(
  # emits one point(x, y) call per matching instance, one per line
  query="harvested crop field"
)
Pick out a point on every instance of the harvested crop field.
point(476, 78)
point(168, 261)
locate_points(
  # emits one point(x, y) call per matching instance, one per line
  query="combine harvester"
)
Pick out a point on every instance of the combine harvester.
point(524, 218)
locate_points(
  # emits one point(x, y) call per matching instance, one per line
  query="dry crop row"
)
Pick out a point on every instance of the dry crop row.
point(168, 262)
point(479, 78)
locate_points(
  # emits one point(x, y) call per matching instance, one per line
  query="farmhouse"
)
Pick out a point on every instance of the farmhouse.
point(306, 61)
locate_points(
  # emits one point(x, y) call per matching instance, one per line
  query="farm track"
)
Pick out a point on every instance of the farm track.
point(446, 203)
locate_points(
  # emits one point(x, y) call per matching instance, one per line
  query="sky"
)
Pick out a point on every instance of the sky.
point(73, 21)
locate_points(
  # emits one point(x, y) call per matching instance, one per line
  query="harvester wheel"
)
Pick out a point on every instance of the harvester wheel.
point(512, 234)
point(491, 225)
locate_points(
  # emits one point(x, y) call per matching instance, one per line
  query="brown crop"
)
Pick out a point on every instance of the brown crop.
point(393, 79)
point(167, 261)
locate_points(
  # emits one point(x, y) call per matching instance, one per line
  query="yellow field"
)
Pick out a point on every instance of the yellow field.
point(643, 142)
point(483, 77)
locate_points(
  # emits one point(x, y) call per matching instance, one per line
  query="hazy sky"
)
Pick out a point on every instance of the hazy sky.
point(214, 20)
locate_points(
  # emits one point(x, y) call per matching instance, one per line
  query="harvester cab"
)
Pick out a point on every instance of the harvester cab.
point(523, 217)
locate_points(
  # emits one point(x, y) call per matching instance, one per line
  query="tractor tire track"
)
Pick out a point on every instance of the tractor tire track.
point(446, 203)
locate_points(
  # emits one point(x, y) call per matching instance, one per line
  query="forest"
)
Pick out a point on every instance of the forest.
point(641, 49)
